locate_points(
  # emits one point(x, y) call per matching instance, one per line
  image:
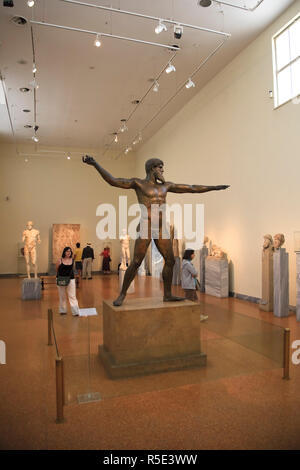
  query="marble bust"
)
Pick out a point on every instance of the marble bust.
point(268, 243)
point(278, 240)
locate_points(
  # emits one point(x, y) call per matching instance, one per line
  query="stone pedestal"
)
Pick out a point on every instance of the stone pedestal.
point(121, 279)
point(145, 336)
point(176, 280)
point(216, 277)
point(203, 256)
point(31, 289)
point(267, 290)
point(281, 283)
point(298, 286)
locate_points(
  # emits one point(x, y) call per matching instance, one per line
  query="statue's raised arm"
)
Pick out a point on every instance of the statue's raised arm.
point(194, 188)
point(118, 182)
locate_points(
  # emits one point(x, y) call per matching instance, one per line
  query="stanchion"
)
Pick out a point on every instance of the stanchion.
point(50, 320)
point(59, 390)
point(286, 354)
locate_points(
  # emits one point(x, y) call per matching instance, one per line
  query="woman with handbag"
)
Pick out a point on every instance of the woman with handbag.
point(65, 281)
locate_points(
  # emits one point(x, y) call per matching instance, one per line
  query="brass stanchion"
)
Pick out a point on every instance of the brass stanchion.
point(286, 354)
point(50, 320)
point(59, 390)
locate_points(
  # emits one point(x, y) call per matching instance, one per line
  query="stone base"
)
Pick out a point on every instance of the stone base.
point(145, 336)
point(216, 277)
point(31, 289)
point(281, 283)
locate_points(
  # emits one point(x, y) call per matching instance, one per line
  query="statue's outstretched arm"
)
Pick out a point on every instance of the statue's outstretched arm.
point(194, 188)
point(119, 182)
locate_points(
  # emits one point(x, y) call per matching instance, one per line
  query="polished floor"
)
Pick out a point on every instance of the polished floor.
point(239, 401)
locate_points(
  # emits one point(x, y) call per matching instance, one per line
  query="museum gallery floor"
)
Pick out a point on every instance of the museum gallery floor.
point(239, 401)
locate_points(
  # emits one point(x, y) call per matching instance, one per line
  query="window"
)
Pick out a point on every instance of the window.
point(286, 62)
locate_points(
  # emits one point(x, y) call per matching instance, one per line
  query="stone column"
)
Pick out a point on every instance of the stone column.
point(298, 285)
point(281, 283)
point(267, 290)
point(203, 256)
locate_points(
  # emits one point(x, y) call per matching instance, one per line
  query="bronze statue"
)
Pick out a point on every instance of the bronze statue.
point(151, 191)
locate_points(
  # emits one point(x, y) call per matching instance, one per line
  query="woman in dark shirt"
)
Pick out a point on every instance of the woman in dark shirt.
point(64, 267)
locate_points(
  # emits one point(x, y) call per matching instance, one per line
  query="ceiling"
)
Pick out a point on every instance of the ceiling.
point(84, 91)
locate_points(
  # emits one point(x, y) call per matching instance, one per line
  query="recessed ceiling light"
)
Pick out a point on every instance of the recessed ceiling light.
point(24, 90)
point(26, 110)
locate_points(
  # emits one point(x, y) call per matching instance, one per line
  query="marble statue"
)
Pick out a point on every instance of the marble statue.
point(31, 237)
point(217, 252)
point(152, 194)
point(267, 294)
point(125, 249)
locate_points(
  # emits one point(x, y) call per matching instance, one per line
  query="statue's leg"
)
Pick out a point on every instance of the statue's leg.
point(140, 249)
point(26, 254)
point(33, 261)
point(164, 246)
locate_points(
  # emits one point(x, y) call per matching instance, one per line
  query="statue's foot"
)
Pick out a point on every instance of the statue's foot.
point(173, 298)
point(119, 300)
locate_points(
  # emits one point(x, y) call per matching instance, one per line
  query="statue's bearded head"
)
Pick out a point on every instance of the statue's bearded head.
point(156, 167)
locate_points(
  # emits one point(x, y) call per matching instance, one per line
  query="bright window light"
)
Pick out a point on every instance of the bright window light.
point(286, 62)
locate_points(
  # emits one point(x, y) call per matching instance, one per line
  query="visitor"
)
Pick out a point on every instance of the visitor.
point(65, 280)
point(87, 260)
point(189, 278)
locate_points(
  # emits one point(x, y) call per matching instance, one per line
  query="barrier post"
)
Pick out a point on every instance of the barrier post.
point(50, 320)
point(286, 354)
point(59, 390)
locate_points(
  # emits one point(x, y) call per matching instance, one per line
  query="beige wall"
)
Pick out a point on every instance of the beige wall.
point(230, 134)
point(52, 189)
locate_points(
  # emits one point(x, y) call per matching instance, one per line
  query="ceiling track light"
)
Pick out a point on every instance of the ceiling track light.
point(156, 86)
point(207, 3)
point(68, 156)
point(34, 69)
point(116, 137)
point(160, 27)
point(170, 68)
point(123, 128)
point(30, 3)
point(190, 84)
point(97, 41)
point(128, 149)
point(178, 30)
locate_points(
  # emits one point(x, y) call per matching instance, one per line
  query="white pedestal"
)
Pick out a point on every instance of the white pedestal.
point(31, 289)
point(216, 277)
point(281, 283)
point(121, 279)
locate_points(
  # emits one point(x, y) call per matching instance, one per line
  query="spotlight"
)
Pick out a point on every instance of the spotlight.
point(35, 138)
point(34, 69)
point(30, 3)
point(189, 84)
point(116, 138)
point(160, 27)
point(97, 41)
point(123, 128)
point(204, 3)
point(156, 86)
point(128, 149)
point(68, 156)
point(178, 30)
point(170, 68)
